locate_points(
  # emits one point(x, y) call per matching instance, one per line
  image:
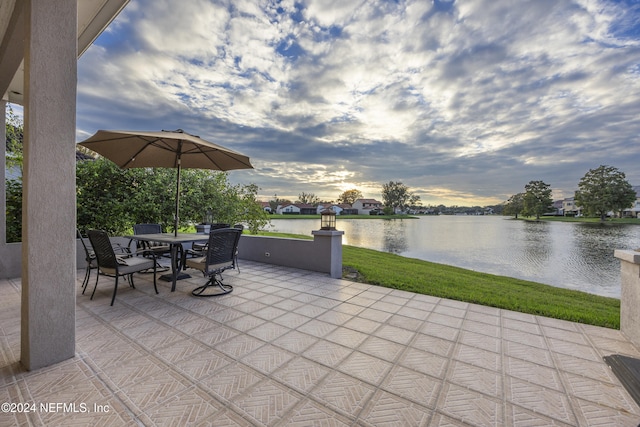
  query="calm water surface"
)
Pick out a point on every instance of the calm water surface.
point(569, 255)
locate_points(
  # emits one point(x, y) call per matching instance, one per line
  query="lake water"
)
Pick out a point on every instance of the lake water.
point(569, 255)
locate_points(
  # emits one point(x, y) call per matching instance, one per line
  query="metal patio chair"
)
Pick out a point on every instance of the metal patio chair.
point(110, 264)
point(221, 251)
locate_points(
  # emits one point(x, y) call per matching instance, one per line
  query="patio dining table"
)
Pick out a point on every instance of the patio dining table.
point(175, 242)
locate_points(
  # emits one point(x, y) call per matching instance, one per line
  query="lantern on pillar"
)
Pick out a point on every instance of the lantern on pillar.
point(327, 220)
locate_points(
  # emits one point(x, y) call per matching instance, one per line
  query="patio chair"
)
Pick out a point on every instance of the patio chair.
point(220, 254)
point(158, 249)
point(199, 250)
point(110, 264)
point(90, 258)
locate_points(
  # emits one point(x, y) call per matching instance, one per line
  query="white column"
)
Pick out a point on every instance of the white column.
point(630, 294)
point(49, 209)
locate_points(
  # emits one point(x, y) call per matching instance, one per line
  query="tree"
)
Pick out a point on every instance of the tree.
point(515, 205)
point(537, 198)
point(308, 198)
point(349, 197)
point(396, 195)
point(15, 133)
point(114, 199)
point(604, 189)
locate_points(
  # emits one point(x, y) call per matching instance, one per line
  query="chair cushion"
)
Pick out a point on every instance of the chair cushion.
point(130, 265)
point(200, 264)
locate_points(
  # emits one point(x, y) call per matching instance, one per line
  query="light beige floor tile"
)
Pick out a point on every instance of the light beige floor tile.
point(551, 403)
point(189, 407)
point(267, 402)
point(534, 373)
point(593, 414)
point(317, 328)
point(521, 417)
point(269, 331)
point(201, 365)
point(381, 348)
point(343, 393)
point(295, 341)
point(310, 413)
point(478, 357)
point(267, 358)
point(394, 333)
point(470, 407)
point(529, 353)
point(365, 367)
point(327, 353)
point(301, 374)
point(375, 314)
point(604, 394)
point(231, 382)
point(475, 378)
point(485, 342)
point(440, 331)
point(412, 385)
point(386, 409)
point(433, 344)
point(239, 346)
point(425, 362)
point(346, 337)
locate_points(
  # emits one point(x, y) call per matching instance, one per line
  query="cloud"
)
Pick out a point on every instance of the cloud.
point(462, 101)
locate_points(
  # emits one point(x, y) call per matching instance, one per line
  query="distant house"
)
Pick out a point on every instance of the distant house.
point(569, 207)
point(296, 209)
point(266, 206)
point(365, 206)
point(288, 209)
point(306, 209)
point(336, 208)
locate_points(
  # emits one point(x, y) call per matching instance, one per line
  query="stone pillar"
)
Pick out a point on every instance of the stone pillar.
point(49, 207)
point(330, 244)
point(630, 294)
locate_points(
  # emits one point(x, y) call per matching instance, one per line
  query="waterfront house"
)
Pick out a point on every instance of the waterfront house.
point(365, 206)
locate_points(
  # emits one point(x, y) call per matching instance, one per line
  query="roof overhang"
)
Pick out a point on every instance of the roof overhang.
point(93, 17)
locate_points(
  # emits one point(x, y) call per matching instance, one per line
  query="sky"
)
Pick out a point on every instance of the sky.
point(464, 102)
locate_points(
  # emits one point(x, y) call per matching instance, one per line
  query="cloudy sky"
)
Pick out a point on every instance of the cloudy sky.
point(464, 102)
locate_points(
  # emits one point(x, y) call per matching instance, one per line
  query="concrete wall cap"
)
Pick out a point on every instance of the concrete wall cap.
point(628, 255)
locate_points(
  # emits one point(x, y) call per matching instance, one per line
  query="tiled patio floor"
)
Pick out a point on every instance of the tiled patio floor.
point(296, 348)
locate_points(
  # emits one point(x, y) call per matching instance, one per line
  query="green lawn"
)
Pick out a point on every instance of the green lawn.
point(394, 271)
point(590, 220)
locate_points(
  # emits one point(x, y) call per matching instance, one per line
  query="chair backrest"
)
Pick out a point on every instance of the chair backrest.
point(102, 247)
point(87, 254)
point(147, 229)
point(218, 225)
point(222, 246)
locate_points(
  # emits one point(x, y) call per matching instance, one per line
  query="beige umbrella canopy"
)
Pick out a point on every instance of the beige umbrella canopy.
point(165, 149)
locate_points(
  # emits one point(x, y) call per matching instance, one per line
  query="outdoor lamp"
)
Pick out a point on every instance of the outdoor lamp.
point(327, 220)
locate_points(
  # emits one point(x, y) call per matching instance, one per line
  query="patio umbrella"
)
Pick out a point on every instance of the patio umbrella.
point(165, 149)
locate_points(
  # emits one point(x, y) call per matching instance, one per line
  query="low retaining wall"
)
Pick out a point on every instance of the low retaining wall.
point(322, 254)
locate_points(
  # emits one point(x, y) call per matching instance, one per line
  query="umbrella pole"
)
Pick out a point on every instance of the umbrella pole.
point(176, 220)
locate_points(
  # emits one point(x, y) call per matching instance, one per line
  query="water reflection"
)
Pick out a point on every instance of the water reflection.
point(570, 255)
point(394, 236)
